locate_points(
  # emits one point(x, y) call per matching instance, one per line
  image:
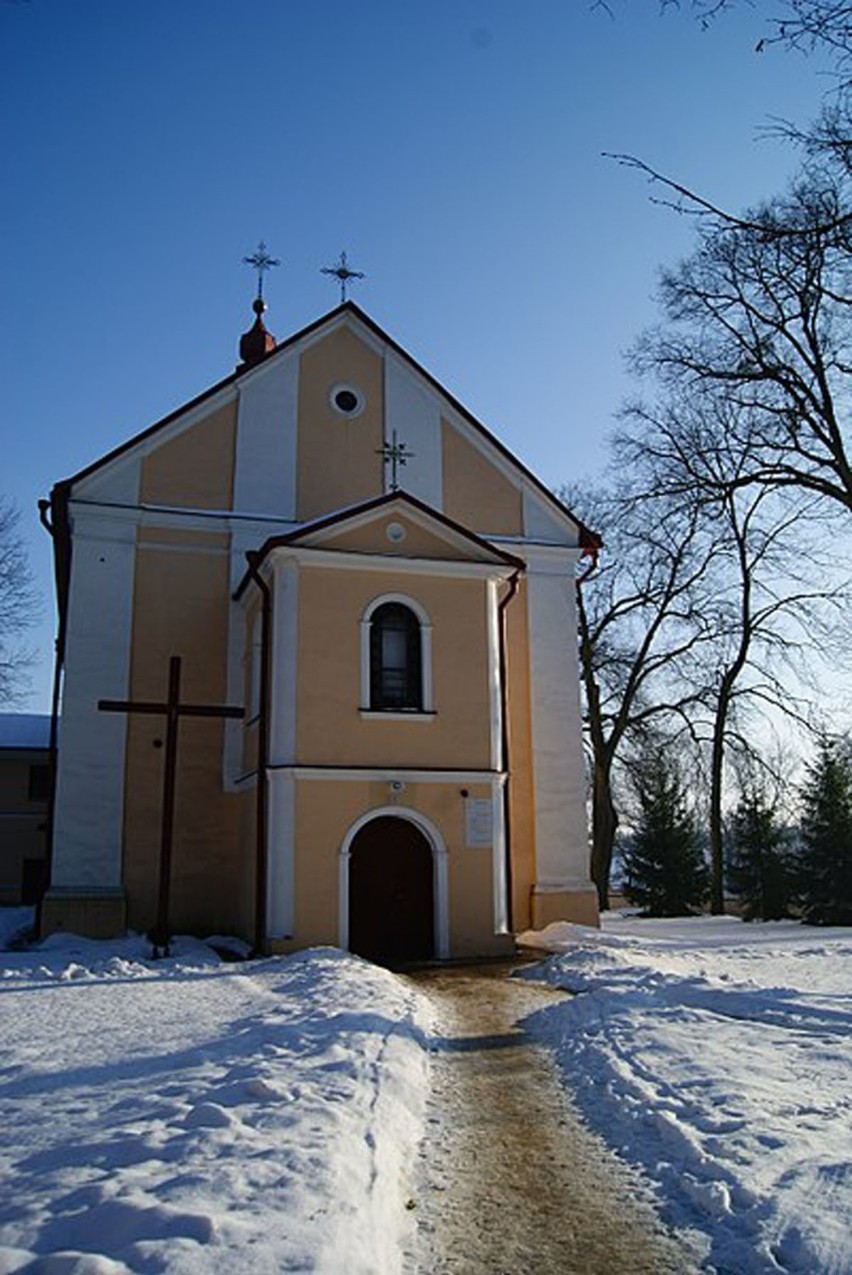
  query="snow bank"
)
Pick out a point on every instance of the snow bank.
point(187, 1115)
point(716, 1056)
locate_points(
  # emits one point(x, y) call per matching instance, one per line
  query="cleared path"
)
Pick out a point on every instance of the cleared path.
point(510, 1180)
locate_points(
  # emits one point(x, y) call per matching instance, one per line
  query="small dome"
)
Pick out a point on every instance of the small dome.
point(257, 342)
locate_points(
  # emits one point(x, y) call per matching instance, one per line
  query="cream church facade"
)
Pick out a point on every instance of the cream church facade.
point(333, 545)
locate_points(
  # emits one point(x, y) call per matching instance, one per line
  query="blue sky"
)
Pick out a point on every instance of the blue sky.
point(453, 148)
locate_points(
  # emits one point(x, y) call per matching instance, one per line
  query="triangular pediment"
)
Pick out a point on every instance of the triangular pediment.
point(393, 526)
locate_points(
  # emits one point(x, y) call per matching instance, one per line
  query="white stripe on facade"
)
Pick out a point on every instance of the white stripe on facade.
point(559, 782)
point(267, 424)
point(89, 827)
point(281, 839)
point(412, 409)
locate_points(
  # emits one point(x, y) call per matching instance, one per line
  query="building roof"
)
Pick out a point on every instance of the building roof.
point(24, 730)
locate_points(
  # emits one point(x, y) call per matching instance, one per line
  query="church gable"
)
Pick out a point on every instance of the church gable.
point(395, 525)
point(301, 432)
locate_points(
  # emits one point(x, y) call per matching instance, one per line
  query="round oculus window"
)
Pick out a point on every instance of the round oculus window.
point(395, 532)
point(347, 400)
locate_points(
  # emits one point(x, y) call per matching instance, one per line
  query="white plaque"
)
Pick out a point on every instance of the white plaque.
point(478, 821)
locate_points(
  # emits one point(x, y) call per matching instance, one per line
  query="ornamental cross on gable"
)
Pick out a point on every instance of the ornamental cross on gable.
point(342, 273)
point(261, 261)
point(394, 454)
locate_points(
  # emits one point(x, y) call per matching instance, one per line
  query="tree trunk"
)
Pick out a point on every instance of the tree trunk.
point(717, 858)
point(604, 825)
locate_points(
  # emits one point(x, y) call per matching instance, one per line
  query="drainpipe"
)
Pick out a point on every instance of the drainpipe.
point(261, 855)
point(53, 515)
point(514, 580)
point(591, 552)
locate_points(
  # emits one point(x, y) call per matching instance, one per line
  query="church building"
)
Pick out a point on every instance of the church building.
point(317, 668)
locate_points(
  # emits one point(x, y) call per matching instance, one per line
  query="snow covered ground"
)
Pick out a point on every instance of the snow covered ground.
point(188, 1115)
point(194, 1116)
point(717, 1056)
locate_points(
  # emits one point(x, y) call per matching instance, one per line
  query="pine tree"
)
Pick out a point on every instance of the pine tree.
point(664, 870)
point(760, 874)
point(827, 836)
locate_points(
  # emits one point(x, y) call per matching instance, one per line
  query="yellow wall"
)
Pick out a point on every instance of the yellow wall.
point(331, 730)
point(338, 464)
point(196, 469)
point(326, 810)
point(475, 493)
point(181, 608)
point(418, 542)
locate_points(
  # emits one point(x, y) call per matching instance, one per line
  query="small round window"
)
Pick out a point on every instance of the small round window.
point(347, 400)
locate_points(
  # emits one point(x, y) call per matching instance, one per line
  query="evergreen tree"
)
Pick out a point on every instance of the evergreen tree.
point(664, 870)
point(827, 836)
point(760, 874)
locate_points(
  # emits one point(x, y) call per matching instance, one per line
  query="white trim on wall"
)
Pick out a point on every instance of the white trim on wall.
point(413, 409)
point(356, 561)
point(281, 840)
point(559, 779)
point(495, 690)
point(89, 828)
point(266, 443)
point(499, 877)
point(373, 774)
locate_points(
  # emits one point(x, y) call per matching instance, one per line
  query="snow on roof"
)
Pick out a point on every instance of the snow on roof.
point(24, 730)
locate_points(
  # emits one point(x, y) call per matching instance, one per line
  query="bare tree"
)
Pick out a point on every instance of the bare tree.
point(767, 598)
point(761, 320)
point(19, 607)
point(637, 621)
point(801, 25)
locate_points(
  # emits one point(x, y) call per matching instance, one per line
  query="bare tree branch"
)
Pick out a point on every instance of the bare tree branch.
point(19, 608)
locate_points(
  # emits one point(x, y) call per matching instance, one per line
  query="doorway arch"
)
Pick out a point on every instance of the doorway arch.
point(393, 888)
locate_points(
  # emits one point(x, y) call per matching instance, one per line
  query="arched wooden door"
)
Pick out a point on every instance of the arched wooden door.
point(391, 893)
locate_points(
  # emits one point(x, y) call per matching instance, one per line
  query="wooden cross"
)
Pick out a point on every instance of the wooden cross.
point(172, 710)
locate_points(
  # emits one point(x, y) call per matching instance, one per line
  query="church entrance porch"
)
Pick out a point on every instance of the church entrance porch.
point(391, 892)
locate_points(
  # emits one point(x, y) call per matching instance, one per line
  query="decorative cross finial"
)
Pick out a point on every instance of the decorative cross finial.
point(342, 274)
point(261, 262)
point(394, 454)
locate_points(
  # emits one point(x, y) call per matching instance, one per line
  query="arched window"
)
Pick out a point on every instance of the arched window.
point(396, 666)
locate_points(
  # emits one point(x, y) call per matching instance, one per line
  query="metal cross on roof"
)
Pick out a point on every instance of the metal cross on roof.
point(342, 274)
point(394, 454)
point(261, 261)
